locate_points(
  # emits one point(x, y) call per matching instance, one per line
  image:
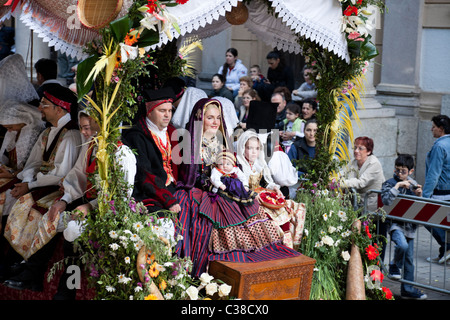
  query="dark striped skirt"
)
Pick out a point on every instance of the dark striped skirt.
point(254, 239)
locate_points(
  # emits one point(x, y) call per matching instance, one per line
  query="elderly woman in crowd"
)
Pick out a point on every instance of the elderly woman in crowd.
point(365, 171)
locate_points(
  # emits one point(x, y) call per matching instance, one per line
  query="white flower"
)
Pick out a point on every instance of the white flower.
point(128, 52)
point(211, 288)
point(331, 229)
point(149, 21)
point(192, 292)
point(138, 245)
point(113, 234)
point(127, 231)
point(224, 290)
point(342, 215)
point(110, 289)
point(306, 232)
point(345, 255)
point(328, 241)
point(114, 246)
point(127, 260)
point(138, 226)
point(138, 289)
point(325, 216)
point(134, 237)
point(168, 296)
point(168, 264)
point(318, 244)
point(123, 279)
point(205, 278)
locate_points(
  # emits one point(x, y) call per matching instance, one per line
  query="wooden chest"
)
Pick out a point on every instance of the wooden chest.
point(283, 279)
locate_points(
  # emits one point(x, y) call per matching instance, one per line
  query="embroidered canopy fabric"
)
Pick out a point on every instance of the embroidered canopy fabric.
point(57, 22)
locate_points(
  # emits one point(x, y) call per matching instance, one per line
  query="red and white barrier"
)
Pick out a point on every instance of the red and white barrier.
point(420, 211)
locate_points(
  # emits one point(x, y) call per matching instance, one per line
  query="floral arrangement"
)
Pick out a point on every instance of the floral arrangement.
point(328, 236)
point(128, 254)
point(339, 84)
point(126, 250)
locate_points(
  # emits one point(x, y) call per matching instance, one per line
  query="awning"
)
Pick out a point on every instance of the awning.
point(57, 23)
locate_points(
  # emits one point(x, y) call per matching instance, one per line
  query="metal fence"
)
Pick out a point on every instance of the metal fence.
point(423, 212)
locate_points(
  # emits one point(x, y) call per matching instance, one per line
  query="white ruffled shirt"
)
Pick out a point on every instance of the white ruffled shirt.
point(65, 158)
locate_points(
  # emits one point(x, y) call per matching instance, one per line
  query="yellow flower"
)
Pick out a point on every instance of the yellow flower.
point(151, 297)
point(163, 285)
point(153, 271)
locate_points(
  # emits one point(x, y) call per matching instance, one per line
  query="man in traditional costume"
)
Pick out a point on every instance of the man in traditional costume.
point(28, 229)
point(80, 195)
point(155, 182)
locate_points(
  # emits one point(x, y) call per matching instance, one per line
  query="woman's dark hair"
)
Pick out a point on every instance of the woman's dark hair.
point(221, 77)
point(252, 93)
point(294, 108)
point(312, 102)
point(366, 142)
point(442, 121)
point(311, 121)
point(234, 52)
point(285, 91)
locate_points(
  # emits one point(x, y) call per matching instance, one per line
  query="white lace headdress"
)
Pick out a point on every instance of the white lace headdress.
point(15, 112)
point(188, 100)
point(14, 82)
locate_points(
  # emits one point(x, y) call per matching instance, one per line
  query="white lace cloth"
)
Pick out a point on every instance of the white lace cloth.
point(14, 83)
point(318, 20)
point(14, 112)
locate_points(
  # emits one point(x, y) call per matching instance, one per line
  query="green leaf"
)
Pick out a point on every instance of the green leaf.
point(83, 70)
point(148, 38)
point(120, 28)
point(370, 50)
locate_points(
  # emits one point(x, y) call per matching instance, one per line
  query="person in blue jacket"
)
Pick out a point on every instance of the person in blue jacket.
point(437, 178)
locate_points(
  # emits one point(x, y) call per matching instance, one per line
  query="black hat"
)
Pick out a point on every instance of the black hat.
point(177, 84)
point(261, 115)
point(161, 94)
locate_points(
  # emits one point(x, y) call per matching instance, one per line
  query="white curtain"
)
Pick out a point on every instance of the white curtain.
point(318, 20)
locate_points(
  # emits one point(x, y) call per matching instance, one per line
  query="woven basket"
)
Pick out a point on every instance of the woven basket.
point(96, 14)
point(238, 15)
point(141, 260)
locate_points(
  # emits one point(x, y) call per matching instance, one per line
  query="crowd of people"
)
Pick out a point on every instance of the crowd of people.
point(207, 159)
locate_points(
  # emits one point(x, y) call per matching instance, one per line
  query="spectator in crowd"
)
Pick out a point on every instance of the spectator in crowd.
point(245, 83)
point(232, 70)
point(437, 178)
point(305, 147)
point(402, 233)
point(279, 74)
point(364, 173)
point(46, 72)
point(219, 88)
point(307, 89)
point(281, 109)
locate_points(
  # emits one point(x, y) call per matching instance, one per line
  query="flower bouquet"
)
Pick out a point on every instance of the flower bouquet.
point(272, 200)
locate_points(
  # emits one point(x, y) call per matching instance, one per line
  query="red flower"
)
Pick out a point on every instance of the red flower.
point(152, 6)
point(351, 10)
point(371, 252)
point(387, 292)
point(368, 232)
point(377, 275)
point(184, 1)
point(359, 2)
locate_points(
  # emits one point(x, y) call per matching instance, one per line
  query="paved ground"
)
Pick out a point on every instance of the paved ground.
point(428, 274)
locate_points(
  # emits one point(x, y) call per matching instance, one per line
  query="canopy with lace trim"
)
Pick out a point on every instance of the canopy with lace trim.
point(56, 21)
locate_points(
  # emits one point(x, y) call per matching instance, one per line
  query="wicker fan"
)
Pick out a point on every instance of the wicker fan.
point(238, 15)
point(96, 14)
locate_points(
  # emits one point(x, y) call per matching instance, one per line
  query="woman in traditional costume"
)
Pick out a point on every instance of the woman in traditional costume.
point(290, 217)
point(23, 124)
point(214, 228)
